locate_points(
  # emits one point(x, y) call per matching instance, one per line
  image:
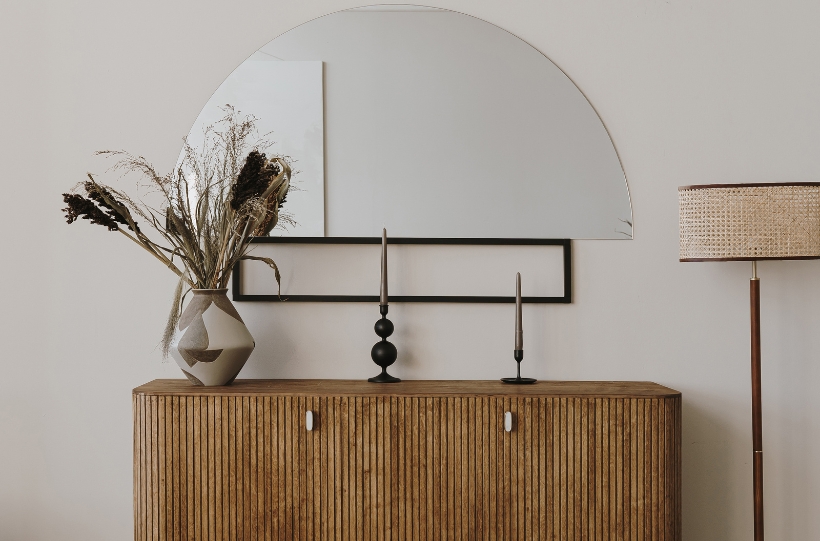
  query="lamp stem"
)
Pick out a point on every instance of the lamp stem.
point(757, 420)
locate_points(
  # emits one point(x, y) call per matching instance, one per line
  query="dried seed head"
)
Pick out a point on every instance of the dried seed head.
point(80, 207)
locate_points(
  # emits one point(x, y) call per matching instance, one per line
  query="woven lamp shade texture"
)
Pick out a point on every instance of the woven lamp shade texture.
point(749, 221)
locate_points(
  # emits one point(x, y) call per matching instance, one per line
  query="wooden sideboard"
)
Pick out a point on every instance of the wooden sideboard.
point(412, 460)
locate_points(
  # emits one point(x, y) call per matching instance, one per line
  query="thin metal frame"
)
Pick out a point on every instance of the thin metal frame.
point(236, 283)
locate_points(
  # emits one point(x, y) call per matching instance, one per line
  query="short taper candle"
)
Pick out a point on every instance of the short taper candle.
point(383, 295)
point(519, 333)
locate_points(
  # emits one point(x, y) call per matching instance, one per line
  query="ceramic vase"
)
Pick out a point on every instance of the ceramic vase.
point(212, 342)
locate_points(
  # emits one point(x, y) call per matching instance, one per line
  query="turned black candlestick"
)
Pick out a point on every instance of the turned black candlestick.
point(384, 353)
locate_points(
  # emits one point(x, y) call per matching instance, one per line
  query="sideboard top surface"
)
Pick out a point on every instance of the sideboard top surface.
point(341, 387)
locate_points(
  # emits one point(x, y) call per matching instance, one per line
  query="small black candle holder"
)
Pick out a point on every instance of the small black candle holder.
point(384, 353)
point(518, 354)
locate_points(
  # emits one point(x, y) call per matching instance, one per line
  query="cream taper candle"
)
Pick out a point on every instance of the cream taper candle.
point(519, 332)
point(383, 295)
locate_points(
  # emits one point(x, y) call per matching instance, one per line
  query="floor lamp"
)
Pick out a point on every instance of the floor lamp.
point(751, 222)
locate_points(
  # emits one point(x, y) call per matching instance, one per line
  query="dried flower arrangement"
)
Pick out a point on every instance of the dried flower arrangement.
point(216, 199)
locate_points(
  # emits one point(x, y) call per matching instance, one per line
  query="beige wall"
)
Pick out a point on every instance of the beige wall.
point(691, 91)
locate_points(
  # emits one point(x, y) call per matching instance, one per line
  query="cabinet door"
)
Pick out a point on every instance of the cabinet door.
point(429, 473)
point(589, 468)
point(294, 486)
point(436, 468)
point(227, 467)
point(571, 468)
point(371, 469)
point(395, 468)
point(458, 474)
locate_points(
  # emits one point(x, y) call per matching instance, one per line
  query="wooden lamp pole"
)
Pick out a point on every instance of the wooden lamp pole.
point(757, 420)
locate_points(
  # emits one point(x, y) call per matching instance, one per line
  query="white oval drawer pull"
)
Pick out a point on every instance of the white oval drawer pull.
point(309, 420)
point(508, 421)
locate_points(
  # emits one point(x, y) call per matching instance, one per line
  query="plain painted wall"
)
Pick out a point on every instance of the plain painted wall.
point(691, 91)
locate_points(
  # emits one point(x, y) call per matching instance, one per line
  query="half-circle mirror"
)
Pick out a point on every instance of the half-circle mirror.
point(430, 123)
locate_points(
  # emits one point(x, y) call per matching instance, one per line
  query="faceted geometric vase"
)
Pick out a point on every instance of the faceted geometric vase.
point(212, 342)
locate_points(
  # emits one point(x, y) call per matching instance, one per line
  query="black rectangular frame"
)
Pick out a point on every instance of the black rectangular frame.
point(236, 283)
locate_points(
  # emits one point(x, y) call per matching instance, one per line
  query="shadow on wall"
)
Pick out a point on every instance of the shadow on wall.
point(19, 521)
point(710, 472)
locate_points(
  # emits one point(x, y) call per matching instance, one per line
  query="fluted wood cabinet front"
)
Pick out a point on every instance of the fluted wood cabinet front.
point(415, 460)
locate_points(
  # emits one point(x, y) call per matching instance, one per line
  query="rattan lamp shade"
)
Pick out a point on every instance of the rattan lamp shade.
point(723, 222)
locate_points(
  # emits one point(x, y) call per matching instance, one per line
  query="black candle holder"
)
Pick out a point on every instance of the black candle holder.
point(384, 353)
point(518, 354)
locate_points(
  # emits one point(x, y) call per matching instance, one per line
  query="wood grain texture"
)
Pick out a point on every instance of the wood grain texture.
point(407, 388)
point(240, 465)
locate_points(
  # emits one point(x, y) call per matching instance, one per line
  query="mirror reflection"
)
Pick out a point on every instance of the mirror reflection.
point(430, 123)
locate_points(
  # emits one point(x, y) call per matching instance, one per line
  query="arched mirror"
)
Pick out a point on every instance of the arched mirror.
point(433, 124)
